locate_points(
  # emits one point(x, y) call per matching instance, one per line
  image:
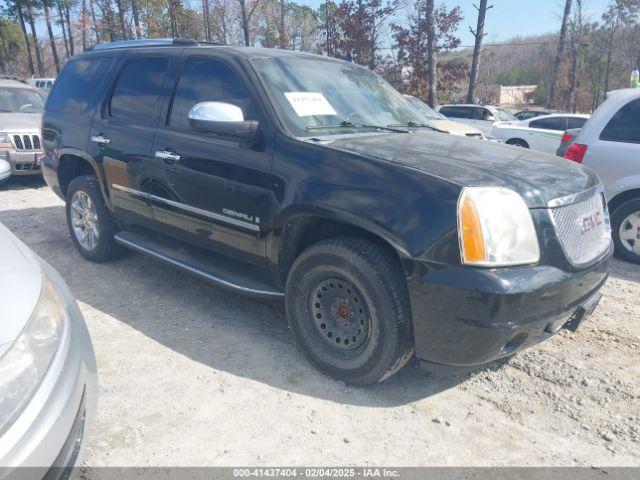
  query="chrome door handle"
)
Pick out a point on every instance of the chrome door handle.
point(164, 155)
point(100, 139)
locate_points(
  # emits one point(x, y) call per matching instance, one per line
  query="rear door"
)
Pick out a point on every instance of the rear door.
point(122, 133)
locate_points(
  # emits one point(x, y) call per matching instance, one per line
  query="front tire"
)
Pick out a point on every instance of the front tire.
point(90, 223)
point(625, 229)
point(348, 309)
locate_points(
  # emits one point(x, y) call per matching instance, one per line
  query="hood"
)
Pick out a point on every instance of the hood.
point(20, 122)
point(20, 285)
point(537, 176)
point(455, 128)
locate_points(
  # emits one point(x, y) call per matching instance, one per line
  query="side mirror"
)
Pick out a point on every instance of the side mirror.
point(491, 118)
point(223, 119)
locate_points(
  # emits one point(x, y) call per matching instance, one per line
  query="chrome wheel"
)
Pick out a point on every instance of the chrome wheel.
point(84, 220)
point(629, 233)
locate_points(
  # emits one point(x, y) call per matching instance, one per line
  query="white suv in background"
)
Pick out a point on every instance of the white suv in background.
point(609, 144)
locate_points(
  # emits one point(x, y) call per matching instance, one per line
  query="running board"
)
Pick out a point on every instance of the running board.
point(221, 270)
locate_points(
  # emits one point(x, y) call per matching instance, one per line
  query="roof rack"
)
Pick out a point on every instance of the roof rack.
point(147, 42)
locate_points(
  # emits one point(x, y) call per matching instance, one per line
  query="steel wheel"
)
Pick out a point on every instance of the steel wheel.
point(629, 233)
point(340, 314)
point(84, 220)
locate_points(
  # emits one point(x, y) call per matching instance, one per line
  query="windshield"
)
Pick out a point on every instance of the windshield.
point(505, 115)
point(20, 100)
point(337, 97)
point(426, 110)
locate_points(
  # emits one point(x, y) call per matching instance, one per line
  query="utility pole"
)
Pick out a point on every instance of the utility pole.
point(479, 36)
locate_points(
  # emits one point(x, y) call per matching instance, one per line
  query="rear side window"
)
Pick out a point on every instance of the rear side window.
point(625, 125)
point(576, 122)
point(454, 112)
point(76, 85)
point(137, 91)
point(553, 123)
point(207, 80)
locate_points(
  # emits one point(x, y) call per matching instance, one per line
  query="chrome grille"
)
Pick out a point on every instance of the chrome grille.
point(26, 141)
point(583, 228)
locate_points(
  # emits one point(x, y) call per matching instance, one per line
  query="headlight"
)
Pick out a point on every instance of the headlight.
point(495, 228)
point(5, 141)
point(24, 365)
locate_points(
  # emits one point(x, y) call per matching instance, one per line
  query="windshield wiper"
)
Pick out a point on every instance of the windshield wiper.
point(348, 124)
point(412, 124)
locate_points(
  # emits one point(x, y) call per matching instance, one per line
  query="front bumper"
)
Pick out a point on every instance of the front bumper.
point(465, 317)
point(23, 162)
point(49, 432)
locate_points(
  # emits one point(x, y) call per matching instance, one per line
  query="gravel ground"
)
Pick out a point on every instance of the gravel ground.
point(194, 375)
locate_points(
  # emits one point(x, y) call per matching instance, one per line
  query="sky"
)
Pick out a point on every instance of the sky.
point(511, 18)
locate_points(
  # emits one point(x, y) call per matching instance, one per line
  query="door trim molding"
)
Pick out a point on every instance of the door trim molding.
point(188, 208)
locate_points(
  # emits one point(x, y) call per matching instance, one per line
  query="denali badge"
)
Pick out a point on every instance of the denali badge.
point(241, 215)
point(590, 222)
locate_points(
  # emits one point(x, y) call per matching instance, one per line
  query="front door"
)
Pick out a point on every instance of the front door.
point(122, 134)
point(207, 189)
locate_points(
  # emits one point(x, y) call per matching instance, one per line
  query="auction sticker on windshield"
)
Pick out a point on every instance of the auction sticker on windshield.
point(307, 104)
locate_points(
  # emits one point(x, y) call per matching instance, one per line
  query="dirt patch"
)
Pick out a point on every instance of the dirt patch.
point(191, 374)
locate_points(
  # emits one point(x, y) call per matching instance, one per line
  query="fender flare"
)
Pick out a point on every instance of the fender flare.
point(284, 224)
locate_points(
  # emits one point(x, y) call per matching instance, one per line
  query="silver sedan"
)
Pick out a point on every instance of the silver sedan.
point(48, 381)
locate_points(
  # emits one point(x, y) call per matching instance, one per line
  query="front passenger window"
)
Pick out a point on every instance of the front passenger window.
point(207, 80)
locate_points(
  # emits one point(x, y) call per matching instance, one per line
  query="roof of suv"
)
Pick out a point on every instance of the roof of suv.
point(249, 52)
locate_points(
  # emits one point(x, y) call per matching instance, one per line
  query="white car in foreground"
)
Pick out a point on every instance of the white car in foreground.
point(539, 133)
point(609, 144)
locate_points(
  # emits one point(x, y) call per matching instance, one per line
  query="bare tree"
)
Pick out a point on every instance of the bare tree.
point(123, 25)
point(282, 32)
point(207, 22)
point(83, 22)
point(67, 12)
point(34, 35)
point(479, 36)
point(64, 28)
point(92, 9)
point(245, 19)
point(431, 54)
point(23, 27)
point(136, 18)
point(173, 18)
point(559, 53)
point(54, 49)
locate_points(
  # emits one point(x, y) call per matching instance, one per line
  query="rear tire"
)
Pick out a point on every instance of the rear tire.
point(625, 230)
point(348, 309)
point(90, 223)
point(516, 142)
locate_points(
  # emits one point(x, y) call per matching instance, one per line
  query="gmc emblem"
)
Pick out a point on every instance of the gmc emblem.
point(590, 222)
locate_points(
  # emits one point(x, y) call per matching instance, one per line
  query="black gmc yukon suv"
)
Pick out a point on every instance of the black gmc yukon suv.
point(282, 174)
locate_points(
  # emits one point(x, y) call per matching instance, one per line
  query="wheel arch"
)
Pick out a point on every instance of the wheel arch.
point(517, 140)
point(300, 227)
point(72, 163)
point(623, 197)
